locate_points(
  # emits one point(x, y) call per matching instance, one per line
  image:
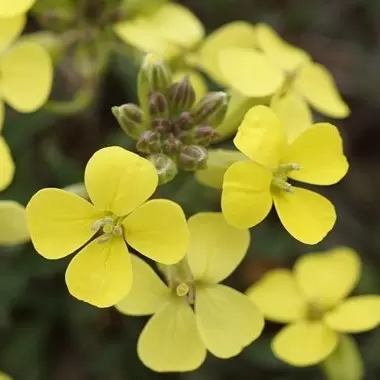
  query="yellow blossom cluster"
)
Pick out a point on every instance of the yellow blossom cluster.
point(277, 143)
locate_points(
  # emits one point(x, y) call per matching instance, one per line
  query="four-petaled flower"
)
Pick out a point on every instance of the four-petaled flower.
point(118, 183)
point(251, 187)
point(312, 300)
point(194, 312)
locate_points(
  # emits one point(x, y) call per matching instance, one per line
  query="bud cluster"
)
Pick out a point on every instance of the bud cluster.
point(171, 128)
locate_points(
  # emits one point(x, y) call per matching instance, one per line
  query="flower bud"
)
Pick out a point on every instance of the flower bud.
point(165, 166)
point(158, 106)
point(171, 145)
point(130, 119)
point(184, 121)
point(156, 73)
point(149, 142)
point(211, 109)
point(162, 126)
point(192, 158)
point(181, 95)
point(204, 135)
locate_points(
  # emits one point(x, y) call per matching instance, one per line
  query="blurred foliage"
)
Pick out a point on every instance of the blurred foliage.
point(46, 334)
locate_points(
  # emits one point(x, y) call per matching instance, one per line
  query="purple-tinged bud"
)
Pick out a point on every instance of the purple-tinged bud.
point(171, 145)
point(130, 118)
point(193, 158)
point(184, 121)
point(181, 96)
point(158, 106)
point(204, 135)
point(149, 142)
point(211, 109)
point(165, 166)
point(163, 126)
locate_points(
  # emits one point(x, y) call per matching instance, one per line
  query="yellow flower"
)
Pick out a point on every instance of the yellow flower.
point(4, 376)
point(169, 31)
point(15, 7)
point(251, 187)
point(26, 69)
point(118, 183)
point(7, 164)
point(13, 226)
point(194, 312)
point(275, 66)
point(312, 301)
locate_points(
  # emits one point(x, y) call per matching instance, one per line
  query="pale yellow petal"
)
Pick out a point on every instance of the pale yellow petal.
point(246, 197)
point(158, 230)
point(148, 293)
point(170, 341)
point(317, 85)
point(355, 315)
point(328, 277)
point(218, 161)
point(261, 136)
point(287, 56)
point(304, 343)
point(227, 320)
point(216, 248)
point(236, 34)
point(118, 180)
point(142, 36)
point(13, 227)
point(250, 72)
point(7, 165)
point(10, 28)
point(306, 215)
point(196, 80)
point(60, 222)
point(293, 112)
point(278, 297)
point(26, 76)
point(319, 152)
point(4, 376)
point(101, 273)
point(14, 7)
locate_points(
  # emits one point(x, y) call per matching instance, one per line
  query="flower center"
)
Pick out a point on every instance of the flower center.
point(109, 227)
point(315, 311)
point(280, 177)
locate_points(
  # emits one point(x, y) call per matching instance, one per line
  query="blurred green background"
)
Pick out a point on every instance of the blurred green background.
point(45, 334)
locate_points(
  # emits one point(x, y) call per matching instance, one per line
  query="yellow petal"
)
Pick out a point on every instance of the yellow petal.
point(238, 34)
point(317, 85)
point(216, 248)
point(319, 152)
point(250, 72)
point(287, 56)
point(278, 297)
point(60, 222)
point(158, 230)
point(261, 136)
point(197, 81)
point(27, 74)
point(227, 320)
point(118, 180)
point(246, 197)
point(101, 273)
point(10, 28)
point(306, 215)
point(293, 112)
point(141, 35)
point(328, 277)
point(218, 161)
point(13, 227)
point(170, 341)
point(356, 314)
point(15, 7)
point(4, 376)
point(148, 292)
point(7, 165)
point(304, 343)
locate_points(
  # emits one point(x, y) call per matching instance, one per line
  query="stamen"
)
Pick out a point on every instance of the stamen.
point(281, 184)
point(97, 225)
point(182, 289)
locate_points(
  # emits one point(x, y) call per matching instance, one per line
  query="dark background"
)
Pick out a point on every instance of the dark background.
point(47, 335)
